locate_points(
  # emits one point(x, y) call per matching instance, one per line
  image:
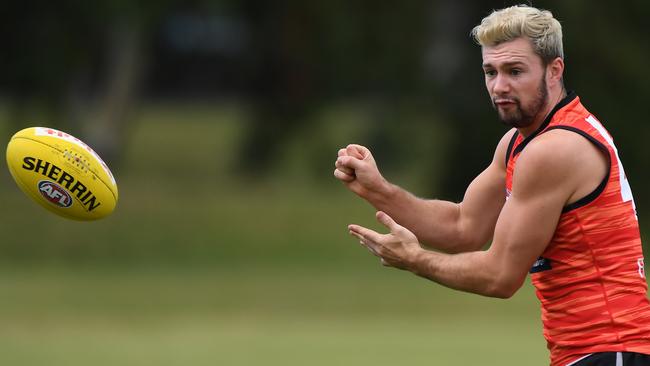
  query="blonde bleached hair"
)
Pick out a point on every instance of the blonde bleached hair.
point(539, 26)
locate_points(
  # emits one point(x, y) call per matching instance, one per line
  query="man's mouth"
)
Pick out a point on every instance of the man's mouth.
point(504, 101)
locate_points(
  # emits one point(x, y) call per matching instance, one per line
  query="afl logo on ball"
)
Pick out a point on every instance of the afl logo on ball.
point(55, 193)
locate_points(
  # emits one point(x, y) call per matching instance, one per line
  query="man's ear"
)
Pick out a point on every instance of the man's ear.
point(555, 70)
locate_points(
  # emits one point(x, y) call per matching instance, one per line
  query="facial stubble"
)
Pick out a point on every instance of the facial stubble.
point(522, 116)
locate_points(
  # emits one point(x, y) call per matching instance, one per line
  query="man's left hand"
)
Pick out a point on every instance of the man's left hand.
point(398, 249)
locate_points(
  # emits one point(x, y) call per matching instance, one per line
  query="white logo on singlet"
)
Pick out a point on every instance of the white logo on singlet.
point(639, 262)
point(626, 191)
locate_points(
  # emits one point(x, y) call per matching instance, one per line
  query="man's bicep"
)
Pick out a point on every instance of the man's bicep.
point(525, 227)
point(530, 216)
point(485, 198)
point(482, 205)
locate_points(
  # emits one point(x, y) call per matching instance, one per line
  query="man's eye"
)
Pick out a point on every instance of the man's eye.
point(490, 72)
point(515, 72)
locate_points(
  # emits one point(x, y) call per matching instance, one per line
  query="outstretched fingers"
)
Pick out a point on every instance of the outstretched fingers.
point(364, 233)
point(399, 248)
point(368, 238)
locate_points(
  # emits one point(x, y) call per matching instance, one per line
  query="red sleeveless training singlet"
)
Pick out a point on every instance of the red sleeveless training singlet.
point(590, 280)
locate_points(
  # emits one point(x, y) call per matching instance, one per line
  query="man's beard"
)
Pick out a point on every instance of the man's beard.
point(524, 116)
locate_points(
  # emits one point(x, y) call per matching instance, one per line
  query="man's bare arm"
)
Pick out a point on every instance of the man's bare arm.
point(442, 225)
point(550, 173)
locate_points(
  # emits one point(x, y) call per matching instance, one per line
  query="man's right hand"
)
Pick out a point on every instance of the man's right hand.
point(357, 169)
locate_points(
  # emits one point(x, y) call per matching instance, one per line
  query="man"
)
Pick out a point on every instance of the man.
point(567, 215)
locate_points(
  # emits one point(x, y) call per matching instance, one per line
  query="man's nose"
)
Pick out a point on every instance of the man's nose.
point(501, 85)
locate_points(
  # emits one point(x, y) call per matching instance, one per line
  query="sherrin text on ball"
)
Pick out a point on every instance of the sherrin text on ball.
point(62, 173)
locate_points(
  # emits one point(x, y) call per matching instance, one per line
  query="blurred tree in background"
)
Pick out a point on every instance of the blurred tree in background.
point(88, 65)
point(79, 63)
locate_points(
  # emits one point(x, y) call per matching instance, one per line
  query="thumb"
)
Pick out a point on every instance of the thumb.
point(395, 228)
point(388, 221)
point(357, 151)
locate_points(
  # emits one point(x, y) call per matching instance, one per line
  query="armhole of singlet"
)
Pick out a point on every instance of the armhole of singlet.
point(601, 187)
point(511, 145)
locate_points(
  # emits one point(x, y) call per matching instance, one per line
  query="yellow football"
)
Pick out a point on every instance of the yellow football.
point(61, 173)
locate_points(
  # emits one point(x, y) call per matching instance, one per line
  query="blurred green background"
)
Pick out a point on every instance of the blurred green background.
point(221, 121)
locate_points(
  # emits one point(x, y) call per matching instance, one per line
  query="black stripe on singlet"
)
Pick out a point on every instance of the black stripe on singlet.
point(612, 358)
point(601, 187)
point(570, 97)
point(511, 145)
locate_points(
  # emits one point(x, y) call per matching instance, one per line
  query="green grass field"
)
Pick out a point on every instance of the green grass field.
point(197, 268)
point(250, 316)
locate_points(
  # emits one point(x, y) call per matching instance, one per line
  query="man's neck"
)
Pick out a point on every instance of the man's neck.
point(553, 100)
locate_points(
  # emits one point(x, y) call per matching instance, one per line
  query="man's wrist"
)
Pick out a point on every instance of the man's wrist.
point(383, 194)
point(420, 262)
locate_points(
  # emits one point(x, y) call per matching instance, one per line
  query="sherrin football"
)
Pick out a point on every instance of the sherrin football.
point(61, 173)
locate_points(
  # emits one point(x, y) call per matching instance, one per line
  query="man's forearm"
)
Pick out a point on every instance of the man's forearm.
point(470, 272)
point(436, 223)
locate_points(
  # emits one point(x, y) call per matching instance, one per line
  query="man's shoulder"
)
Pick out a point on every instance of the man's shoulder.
point(506, 140)
point(500, 154)
point(560, 157)
point(554, 142)
point(507, 137)
point(557, 148)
